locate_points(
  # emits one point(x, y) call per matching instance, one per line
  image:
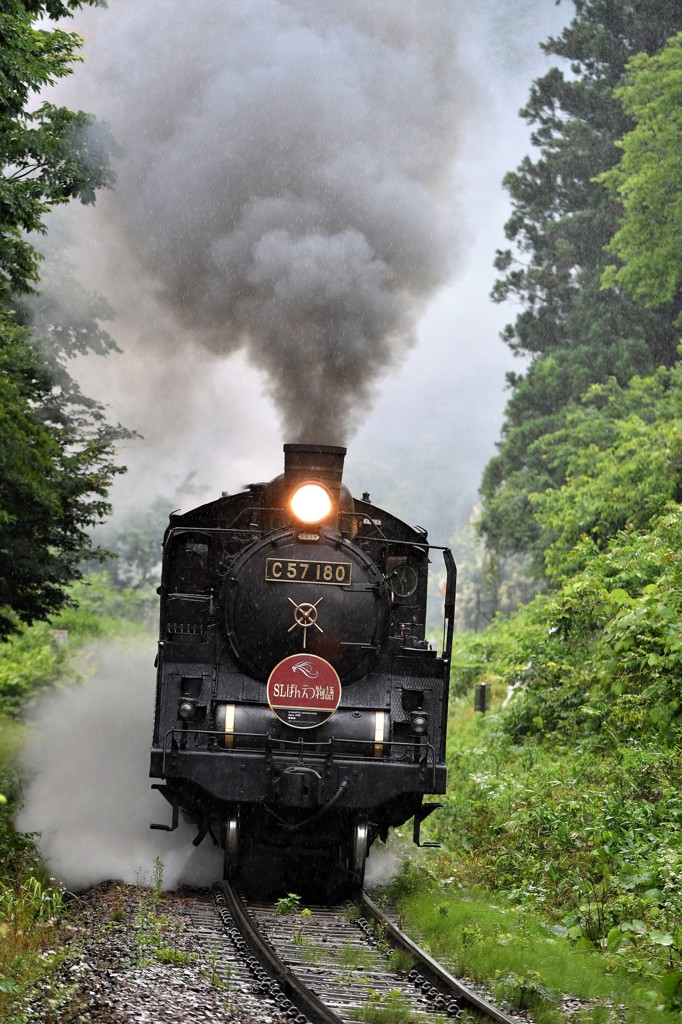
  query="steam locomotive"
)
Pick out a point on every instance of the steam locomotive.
point(300, 711)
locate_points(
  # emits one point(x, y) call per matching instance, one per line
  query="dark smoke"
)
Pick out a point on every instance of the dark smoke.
point(287, 181)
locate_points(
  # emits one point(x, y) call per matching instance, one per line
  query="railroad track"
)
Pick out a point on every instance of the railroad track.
point(324, 965)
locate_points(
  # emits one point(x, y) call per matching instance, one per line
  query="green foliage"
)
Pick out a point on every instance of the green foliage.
point(31, 661)
point(648, 180)
point(98, 608)
point(523, 992)
point(173, 957)
point(400, 961)
point(576, 333)
point(289, 904)
point(356, 957)
point(18, 858)
point(411, 878)
point(151, 926)
point(620, 456)
point(497, 941)
point(562, 218)
point(48, 154)
point(600, 656)
point(568, 798)
point(31, 905)
point(56, 467)
point(57, 461)
point(29, 913)
point(390, 1007)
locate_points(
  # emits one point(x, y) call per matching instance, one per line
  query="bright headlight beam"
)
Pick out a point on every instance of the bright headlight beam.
point(311, 503)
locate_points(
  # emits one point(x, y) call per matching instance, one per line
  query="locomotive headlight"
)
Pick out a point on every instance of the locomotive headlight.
point(311, 503)
point(419, 723)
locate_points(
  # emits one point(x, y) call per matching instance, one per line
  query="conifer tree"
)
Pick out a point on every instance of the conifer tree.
point(574, 332)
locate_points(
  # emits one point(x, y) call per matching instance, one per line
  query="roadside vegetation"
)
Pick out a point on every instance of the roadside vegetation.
point(58, 452)
point(520, 957)
point(560, 866)
point(33, 907)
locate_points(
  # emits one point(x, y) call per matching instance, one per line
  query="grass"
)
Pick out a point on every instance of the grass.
point(388, 1008)
point(356, 957)
point(518, 955)
point(400, 962)
point(554, 916)
point(30, 942)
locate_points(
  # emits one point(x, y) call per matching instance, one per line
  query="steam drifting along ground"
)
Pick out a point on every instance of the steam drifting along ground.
point(88, 788)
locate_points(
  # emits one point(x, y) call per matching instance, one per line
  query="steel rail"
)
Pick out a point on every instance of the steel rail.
point(292, 987)
point(428, 975)
point(431, 971)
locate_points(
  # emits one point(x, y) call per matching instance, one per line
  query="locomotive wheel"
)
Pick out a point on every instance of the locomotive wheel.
point(359, 853)
point(231, 846)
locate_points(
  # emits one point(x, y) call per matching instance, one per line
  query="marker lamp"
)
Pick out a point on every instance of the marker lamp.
point(311, 503)
point(419, 723)
point(187, 709)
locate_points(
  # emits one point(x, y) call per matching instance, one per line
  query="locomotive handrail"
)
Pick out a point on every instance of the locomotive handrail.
point(210, 529)
point(299, 744)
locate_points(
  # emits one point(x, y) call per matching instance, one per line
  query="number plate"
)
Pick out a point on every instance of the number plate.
point(284, 570)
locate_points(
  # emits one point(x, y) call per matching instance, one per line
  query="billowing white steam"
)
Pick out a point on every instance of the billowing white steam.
point(88, 788)
point(286, 185)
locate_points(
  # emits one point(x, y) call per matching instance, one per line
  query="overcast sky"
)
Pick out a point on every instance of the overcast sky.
point(308, 206)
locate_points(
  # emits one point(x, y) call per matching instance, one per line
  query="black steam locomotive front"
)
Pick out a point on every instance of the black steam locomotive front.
point(300, 712)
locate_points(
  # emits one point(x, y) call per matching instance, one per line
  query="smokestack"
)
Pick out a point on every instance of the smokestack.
point(321, 462)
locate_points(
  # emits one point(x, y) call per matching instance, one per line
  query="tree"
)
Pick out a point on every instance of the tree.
point(57, 457)
point(574, 332)
point(136, 539)
point(48, 155)
point(620, 455)
point(648, 181)
point(53, 484)
point(562, 218)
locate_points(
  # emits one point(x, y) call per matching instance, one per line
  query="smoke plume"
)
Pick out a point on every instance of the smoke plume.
point(286, 186)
